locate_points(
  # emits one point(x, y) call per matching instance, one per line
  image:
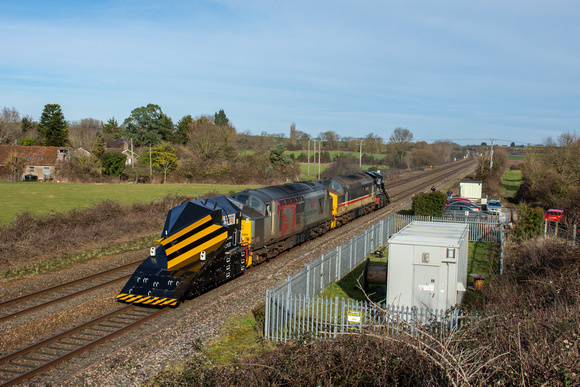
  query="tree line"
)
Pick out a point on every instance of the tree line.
point(207, 148)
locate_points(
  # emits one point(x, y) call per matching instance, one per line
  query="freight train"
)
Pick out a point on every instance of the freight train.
point(207, 242)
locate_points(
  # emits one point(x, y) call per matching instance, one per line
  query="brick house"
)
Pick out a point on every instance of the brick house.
point(41, 161)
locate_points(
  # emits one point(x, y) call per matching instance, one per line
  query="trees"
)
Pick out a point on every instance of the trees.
point(373, 143)
point(184, 126)
point(83, 134)
point(553, 179)
point(148, 125)
point(220, 119)
point(210, 141)
point(9, 125)
point(15, 164)
point(113, 163)
point(29, 131)
point(293, 135)
point(280, 164)
point(164, 157)
point(52, 128)
point(111, 130)
point(400, 140)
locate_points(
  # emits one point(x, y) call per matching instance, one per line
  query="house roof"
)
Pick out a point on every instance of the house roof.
point(34, 155)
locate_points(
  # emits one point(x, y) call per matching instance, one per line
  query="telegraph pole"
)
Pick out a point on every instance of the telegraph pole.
point(360, 155)
point(308, 159)
point(319, 151)
point(491, 155)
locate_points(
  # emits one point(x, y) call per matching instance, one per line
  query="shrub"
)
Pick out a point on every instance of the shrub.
point(429, 204)
point(530, 222)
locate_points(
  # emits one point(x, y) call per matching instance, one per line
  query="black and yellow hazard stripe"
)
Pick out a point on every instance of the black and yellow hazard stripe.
point(147, 300)
point(184, 247)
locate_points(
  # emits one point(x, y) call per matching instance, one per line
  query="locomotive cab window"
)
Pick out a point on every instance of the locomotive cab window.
point(242, 198)
point(257, 204)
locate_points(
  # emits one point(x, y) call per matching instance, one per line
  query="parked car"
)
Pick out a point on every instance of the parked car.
point(466, 204)
point(457, 199)
point(461, 210)
point(30, 177)
point(554, 215)
point(494, 206)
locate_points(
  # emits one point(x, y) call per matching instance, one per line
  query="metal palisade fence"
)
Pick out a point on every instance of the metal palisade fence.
point(298, 316)
point(293, 308)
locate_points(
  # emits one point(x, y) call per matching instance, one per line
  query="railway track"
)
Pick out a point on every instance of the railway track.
point(42, 298)
point(427, 180)
point(21, 365)
point(27, 362)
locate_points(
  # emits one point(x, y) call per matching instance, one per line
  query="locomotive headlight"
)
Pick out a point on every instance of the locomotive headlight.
point(152, 251)
point(202, 256)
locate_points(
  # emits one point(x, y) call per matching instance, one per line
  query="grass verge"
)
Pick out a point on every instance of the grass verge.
point(51, 265)
point(512, 179)
point(240, 337)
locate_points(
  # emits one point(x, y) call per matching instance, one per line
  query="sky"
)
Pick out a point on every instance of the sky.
point(465, 71)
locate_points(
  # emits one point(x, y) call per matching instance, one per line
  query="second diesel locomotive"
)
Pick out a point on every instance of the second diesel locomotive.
point(207, 242)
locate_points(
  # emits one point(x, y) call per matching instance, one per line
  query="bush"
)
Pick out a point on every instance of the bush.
point(429, 204)
point(530, 222)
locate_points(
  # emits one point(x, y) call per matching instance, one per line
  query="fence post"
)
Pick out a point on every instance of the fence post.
point(335, 319)
point(365, 250)
point(502, 242)
point(267, 316)
point(321, 273)
point(307, 290)
point(339, 263)
point(350, 255)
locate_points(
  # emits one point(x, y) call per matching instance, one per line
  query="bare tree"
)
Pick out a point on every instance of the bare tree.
point(401, 143)
point(15, 164)
point(10, 127)
point(83, 134)
point(330, 138)
point(293, 134)
point(443, 150)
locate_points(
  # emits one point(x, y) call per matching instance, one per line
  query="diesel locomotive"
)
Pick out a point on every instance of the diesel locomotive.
point(207, 242)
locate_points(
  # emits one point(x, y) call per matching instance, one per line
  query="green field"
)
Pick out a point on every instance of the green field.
point(333, 154)
point(43, 198)
point(512, 179)
point(314, 170)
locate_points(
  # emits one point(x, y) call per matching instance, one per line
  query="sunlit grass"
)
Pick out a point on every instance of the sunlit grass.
point(512, 180)
point(241, 336)
point(41, 198)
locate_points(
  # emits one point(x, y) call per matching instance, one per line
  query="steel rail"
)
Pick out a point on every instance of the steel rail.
point(41, 298)
point(92, 333)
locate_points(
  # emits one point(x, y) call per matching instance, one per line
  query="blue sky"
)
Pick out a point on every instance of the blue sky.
point(467, 71)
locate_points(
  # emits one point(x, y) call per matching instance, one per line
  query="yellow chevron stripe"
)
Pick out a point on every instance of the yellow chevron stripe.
point(206, 231)
point(185, 230)
point(147, 300)
point(208, 246)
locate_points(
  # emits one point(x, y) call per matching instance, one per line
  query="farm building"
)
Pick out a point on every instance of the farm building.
point(39, 161)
